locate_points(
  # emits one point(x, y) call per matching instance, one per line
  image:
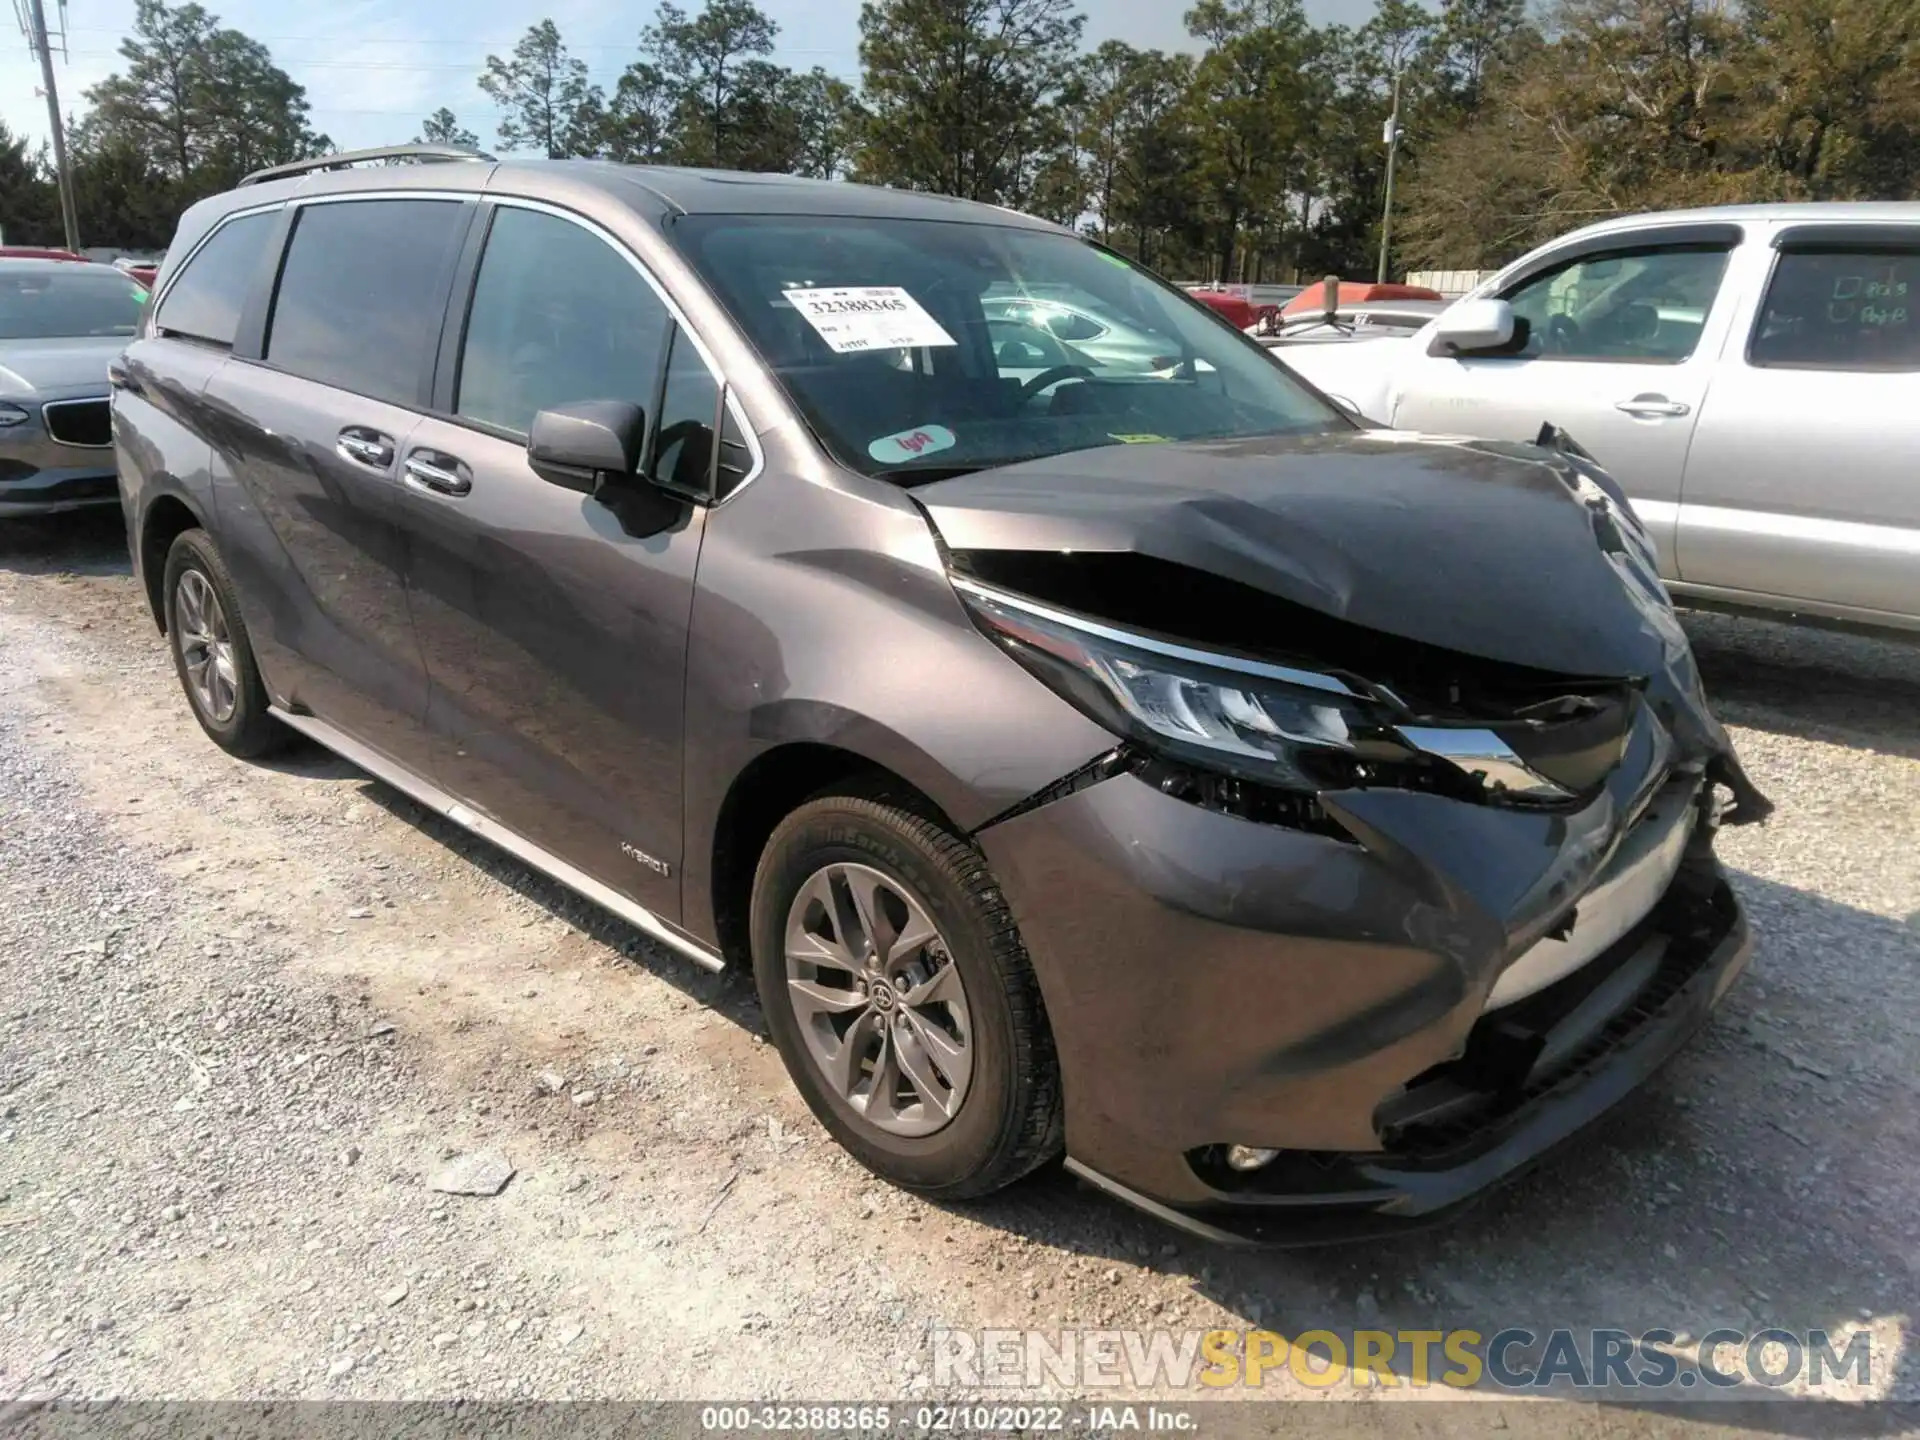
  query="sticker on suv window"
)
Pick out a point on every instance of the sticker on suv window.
point(872, 317)
point(909, 444)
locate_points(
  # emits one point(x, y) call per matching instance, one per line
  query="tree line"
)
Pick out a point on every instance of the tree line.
point(1257, 155)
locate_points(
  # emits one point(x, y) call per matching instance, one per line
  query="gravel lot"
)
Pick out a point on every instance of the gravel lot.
point(247, 1012)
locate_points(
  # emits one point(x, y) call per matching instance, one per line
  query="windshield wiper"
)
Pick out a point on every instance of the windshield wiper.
point(911, 475)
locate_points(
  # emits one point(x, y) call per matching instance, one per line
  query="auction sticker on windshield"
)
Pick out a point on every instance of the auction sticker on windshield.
point(872, 317)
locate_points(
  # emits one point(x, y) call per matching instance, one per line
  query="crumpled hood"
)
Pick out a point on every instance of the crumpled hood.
point(1510, 553)
point(36, 367)
point(1473, 546)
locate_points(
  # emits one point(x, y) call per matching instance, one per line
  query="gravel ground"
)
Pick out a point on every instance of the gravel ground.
point(249, 1012)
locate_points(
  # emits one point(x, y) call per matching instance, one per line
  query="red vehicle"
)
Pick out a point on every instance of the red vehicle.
point(1355, 292)
point(1236, 309)
point(31, 252)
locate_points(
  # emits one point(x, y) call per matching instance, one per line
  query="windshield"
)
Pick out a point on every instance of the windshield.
point(45, 304)
point(923, 347)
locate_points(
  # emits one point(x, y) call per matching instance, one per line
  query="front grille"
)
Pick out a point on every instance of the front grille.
point(86, 423)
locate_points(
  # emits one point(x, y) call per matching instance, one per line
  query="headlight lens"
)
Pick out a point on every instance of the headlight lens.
point(1269, 724)
point(11, 414)
point(1232, 717)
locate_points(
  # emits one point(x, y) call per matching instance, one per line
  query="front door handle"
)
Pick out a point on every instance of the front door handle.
point(440, 475)
point(1653, 407)
point(365, 447)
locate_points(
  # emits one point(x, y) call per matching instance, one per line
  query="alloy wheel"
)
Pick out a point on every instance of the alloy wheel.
point(879, 999)
point(206, 647)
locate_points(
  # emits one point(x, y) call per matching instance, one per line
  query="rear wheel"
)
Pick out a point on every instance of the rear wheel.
point(211, 652)
point(899, 995)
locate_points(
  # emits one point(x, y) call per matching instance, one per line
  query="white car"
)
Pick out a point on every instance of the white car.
point(1747, 373)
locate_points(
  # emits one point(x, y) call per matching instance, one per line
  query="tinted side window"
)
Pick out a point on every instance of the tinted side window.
point(205, 301)
point(558, 315)
point(736, 457)
point(683, 453)
point(689, 404)
point(1647, 307)
point(1841, 310)
point(361, 299)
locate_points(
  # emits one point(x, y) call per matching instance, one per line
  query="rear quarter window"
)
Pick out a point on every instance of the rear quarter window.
point(205, 300)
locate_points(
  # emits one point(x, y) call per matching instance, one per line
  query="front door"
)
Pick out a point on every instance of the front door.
point(554, 624)
point(1620, 350)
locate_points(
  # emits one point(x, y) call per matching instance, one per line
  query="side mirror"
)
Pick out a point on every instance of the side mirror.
point(1474, 326)
point(578, 446)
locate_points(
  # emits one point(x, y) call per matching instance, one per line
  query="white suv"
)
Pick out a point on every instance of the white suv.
point(1750, 375)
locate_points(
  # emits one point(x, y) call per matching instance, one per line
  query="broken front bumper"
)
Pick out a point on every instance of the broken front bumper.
point(1409, 1020)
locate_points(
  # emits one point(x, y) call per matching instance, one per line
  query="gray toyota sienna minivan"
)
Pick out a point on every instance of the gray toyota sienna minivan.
point(1298, 827)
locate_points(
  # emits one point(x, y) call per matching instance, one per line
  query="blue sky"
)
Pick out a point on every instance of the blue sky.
point(372, 68)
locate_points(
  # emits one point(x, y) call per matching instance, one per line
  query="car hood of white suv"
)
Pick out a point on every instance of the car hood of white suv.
point(1358, 371)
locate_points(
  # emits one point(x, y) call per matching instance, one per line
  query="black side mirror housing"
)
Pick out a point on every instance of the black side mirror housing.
point(578, 446)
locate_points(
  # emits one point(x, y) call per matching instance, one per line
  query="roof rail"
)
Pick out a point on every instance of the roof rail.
point(343, 158)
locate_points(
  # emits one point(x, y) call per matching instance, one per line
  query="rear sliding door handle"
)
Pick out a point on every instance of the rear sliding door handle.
point(365, 447)
point(436, 479)
point(1653, 407)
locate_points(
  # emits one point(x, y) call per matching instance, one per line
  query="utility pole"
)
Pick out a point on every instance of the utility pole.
point(1392, 139)
point(37, 18)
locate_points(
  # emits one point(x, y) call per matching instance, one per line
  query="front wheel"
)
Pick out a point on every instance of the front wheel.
point(901, 999)
point(211, 652)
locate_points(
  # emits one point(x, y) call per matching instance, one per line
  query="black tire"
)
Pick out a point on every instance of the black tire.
point(1010, 1121)
point(250, 731)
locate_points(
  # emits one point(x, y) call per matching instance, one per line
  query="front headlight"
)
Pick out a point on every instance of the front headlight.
point(11, 414)
point(1266, 723)
point(1270, 727)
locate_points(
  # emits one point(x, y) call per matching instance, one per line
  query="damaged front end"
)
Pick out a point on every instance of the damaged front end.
point(1384, 898)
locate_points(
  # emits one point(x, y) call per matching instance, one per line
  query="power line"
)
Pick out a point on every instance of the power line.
point(633, 44)
point(286, 61)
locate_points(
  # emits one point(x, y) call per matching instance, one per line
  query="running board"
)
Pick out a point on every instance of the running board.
point(496, 834)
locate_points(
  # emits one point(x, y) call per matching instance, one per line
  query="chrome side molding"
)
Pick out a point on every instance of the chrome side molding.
point(494, 833)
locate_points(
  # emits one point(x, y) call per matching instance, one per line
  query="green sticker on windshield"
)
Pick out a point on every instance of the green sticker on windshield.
point(139, 294)
point(1140, 439)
